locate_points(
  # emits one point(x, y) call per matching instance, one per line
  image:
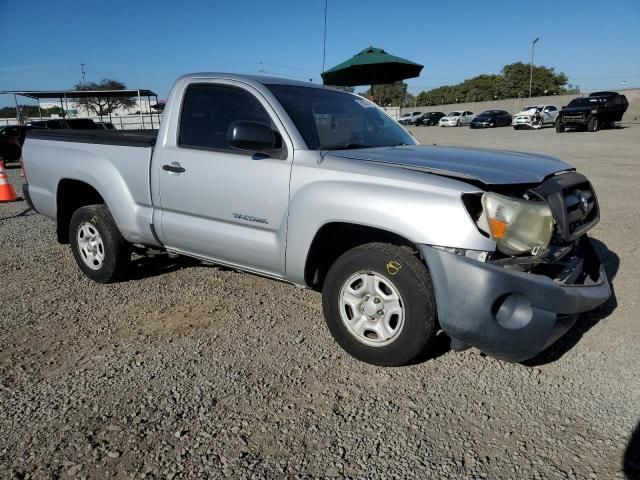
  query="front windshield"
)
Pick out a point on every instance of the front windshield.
point(583, 102)
point(454, 114)
point(332, 120)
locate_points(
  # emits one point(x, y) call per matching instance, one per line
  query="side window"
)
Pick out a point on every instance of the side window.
point(552, 109)
point(209, 110)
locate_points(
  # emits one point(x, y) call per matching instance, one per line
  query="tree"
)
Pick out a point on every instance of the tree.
point(104, 105)
point(512, 82)
point(29, 111)
point(395, 94)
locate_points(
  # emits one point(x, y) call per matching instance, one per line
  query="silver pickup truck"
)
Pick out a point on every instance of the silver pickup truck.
point(320, 188)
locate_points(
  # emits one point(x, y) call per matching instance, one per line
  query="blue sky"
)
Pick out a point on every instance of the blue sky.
point(147, 44)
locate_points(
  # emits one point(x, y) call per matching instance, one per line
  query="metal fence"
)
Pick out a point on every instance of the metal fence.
point(129, 122)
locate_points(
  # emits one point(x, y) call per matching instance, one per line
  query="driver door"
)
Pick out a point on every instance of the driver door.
point(218, 203)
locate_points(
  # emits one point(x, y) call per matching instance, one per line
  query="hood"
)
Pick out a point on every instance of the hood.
point(485, 118)
point(491, 167)
point(531, 111)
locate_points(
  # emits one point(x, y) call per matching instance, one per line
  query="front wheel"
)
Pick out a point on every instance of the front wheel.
point(559, 126)
point(379, 304)
point(98, 247)
point(593, 125)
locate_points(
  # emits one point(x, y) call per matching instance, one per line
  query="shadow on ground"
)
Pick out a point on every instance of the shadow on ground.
point(631, 460)
point(441, 345)
point(21, 214)
point(587, 320)
point(158, 263)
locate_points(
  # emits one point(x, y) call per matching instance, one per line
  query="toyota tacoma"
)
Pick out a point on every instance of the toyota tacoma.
point(320, 188)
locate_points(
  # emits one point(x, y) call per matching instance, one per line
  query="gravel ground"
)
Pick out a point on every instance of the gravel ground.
point(192, 371)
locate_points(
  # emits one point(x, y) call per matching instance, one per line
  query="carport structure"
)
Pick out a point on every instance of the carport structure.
point(64, 95)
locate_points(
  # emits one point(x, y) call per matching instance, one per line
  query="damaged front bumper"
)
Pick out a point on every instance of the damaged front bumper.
point(508, 314)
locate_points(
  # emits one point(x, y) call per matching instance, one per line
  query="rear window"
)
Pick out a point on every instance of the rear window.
point(208, 110)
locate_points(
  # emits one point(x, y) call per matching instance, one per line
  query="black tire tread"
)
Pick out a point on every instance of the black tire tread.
point(117, 249)
point(417, 344)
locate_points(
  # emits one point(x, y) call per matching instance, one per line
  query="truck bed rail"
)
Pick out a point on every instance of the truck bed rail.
point(128, 138)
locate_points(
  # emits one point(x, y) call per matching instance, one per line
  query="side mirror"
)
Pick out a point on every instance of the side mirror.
point(251, 137)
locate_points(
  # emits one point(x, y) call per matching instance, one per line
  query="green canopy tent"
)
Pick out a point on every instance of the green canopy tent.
point(372, 66)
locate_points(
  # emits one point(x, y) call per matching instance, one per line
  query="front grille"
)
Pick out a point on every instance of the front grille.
point(573, 202)
point(572, 118)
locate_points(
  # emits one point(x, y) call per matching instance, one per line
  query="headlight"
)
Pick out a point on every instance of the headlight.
point(517, 226)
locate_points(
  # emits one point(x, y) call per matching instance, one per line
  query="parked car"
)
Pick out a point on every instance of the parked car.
point(491, 118)
point(402, 240)
point(429, 118)
point(456, 119)
point(66, 123)
point(598, 110)
point(535, 116)
point(410, 118)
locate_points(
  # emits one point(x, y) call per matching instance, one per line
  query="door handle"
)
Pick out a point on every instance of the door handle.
point(173, 168)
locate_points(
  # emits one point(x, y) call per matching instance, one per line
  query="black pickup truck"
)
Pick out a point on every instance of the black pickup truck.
point(598, 110)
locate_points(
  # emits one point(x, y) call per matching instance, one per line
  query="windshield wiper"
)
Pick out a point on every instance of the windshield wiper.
point(348, 146)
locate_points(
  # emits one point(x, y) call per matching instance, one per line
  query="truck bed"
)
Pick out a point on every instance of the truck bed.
point(125, 138)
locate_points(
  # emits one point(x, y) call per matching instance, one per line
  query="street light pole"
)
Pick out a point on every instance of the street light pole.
point(533, 46)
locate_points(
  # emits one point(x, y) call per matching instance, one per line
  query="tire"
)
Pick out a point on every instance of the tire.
point(98, 247)
point(593, 124)
point(400, 282)
point(458, 124)
point(559, 126)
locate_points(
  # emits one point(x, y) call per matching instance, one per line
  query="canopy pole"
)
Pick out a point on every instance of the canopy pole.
point(62, 108)
point(150, 113)
point(15, 99)
point(39, 109)
point(140, 110)
point(158, 112)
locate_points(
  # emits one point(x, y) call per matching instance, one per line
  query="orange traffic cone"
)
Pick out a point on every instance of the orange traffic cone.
point(7, 193)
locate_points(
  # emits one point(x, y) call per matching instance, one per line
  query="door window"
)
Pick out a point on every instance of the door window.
point(209, 110)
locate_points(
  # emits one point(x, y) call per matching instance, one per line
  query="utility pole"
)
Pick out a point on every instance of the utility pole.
point(533, 47)
point(83, 72)
point(324, 38)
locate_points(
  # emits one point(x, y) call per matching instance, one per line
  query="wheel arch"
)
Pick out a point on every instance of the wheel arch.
point(335, 238)
point(72, 194)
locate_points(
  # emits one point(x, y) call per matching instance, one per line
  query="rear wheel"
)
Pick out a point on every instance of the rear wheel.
point(559, 126)
point(593, 125)
point(379, 304)
point(98, 247)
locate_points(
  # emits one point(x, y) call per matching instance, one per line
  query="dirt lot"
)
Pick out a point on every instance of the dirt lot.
point(192, 371)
